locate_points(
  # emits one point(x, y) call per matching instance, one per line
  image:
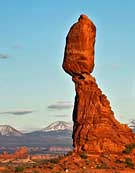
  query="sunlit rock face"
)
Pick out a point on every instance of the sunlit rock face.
point(95, 127)
point(79, 50)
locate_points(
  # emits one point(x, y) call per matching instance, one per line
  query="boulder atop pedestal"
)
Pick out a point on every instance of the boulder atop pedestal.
point(79, 50)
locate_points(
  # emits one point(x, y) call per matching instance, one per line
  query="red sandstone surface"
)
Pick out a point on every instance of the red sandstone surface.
point(95, 127)
point(79, 49)
point(21, 153)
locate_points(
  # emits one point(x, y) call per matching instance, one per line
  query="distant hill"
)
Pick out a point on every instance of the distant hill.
point(132, 125)
point(6, 130)
point(57, 134)
point(58, 125)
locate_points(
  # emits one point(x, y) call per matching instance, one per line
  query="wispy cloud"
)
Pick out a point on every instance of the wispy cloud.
point(60, 105)
point(17, 112)
point(3, 56)
point(62, 115)
point(17, 46)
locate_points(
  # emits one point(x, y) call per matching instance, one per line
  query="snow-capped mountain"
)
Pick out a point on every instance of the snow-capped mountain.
point(6, 130)
point(58, 125)
point(132, 124)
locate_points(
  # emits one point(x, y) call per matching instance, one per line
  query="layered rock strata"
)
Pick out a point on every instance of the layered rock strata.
point(95, 127)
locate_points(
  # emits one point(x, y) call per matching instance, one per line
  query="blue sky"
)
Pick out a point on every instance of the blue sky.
point(34, 90)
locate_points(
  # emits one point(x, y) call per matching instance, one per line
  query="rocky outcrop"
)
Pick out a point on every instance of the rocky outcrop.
point(21, 153)
point(95, 127)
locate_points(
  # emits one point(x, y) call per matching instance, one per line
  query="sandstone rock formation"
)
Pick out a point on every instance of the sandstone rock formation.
point(95, 127)
point(21, 153)
point(79, 50)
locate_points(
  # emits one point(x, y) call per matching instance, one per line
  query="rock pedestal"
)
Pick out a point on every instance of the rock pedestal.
point(95, 127)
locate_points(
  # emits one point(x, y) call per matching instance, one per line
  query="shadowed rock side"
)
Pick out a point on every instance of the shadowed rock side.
point(95, 128)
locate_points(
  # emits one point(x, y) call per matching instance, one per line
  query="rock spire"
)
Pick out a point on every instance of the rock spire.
point(95, 127)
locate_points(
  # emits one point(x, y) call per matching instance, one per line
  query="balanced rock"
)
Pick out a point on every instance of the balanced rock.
point(79, 50)
point(95, 127)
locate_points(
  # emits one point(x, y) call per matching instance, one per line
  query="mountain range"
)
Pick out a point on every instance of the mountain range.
point(58, 127)
point(132, 125)
point(6, 130)
point(57, 134)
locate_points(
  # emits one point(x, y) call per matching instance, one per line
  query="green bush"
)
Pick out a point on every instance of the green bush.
point(102, 166)
point(118, 161)
point(19, 169)
point(129, 163)
point(83, 155)
point(55, 161)
point(129, 148)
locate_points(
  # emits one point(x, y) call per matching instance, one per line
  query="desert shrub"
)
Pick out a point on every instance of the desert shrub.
point(102, 166)
point(83, 155)
point(19, 169)
point(55, 161)
point(129, 163)
point(118, 161)
point(87, 162)
point(129, 148)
